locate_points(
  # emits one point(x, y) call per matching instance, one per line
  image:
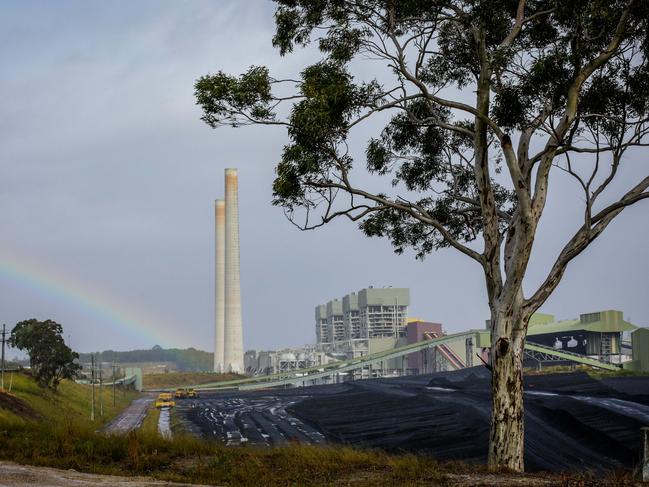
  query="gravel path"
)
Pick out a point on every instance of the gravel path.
point(131, 418)
point(14, 475)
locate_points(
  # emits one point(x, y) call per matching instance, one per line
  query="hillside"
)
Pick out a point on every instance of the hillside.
point(188, 359)
point(28, 402)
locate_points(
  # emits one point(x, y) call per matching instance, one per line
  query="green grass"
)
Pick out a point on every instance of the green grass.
point(71, 401)
point(591, 371)
point(187, 459)
point(150, 424)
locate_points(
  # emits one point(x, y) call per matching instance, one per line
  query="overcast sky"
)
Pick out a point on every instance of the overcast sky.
point(108, 179)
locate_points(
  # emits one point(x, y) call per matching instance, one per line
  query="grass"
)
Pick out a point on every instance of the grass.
point(591, 371)
point(184, 379)
point(71, 401)
point(186, 459)
point(150, 424)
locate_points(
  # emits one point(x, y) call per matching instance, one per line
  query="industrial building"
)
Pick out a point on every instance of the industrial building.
point(383, 311)
point(228, 328)
point(598, 334)
point(375, 320)
point(266, 362)
point(372, 325)
point(370, 313)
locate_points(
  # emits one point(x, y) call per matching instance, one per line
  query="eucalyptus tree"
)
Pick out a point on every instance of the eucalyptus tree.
point(479, 102)
point(50, 359)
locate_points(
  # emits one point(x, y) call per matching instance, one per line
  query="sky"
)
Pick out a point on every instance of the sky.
point(108, 179)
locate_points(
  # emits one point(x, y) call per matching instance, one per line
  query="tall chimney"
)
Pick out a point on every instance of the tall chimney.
point(219, 283)
point(233, 335)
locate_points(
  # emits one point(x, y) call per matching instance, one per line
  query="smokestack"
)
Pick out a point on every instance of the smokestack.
point(219, 283)
point(233, 335)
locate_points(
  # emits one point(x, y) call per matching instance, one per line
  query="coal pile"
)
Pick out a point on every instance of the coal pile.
point(573, 422)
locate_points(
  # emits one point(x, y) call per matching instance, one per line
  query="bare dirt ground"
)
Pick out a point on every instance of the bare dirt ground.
point(14, 475)
point(17, 406)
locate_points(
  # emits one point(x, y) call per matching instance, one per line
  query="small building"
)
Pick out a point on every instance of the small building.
point(417, 331)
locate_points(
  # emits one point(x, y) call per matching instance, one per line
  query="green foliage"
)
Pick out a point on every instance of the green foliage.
point(427, 148)
point(220, 93)
point(185, 359)
point(51, 360)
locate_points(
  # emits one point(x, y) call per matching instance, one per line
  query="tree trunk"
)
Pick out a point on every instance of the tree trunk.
point(506, 440)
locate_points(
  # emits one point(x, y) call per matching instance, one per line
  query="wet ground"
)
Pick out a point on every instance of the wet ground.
point(130, 418)
point(572, 421)
point(252, 418)
point(164, 423)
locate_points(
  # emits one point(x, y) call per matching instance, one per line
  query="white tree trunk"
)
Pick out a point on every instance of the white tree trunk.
point(506, 440)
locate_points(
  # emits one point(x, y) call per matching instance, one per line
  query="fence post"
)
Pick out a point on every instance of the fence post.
point(645, 453)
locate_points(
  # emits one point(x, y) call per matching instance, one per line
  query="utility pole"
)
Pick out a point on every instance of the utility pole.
point(2, 374)
point(92, 386)
point(113, 383)
point(101, 391)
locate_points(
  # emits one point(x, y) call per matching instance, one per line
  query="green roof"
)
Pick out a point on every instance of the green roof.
point(600, 322)
point(541, 319)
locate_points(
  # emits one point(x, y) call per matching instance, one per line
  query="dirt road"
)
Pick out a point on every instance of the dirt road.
point(14, 475)
point(131, 418)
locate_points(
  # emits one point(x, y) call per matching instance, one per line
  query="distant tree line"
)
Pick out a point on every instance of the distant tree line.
point(185, 359)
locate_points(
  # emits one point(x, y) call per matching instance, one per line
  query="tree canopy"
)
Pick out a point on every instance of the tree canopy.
point(50, 359)
point(484, 99)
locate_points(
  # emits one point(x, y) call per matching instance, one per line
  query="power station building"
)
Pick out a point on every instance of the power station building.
point(375, 321)
point(228, 340)
point(369, 313)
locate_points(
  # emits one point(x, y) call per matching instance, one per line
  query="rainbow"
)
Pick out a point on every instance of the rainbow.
point(101, 304)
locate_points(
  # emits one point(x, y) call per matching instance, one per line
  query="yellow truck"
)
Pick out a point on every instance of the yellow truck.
point(165, 400)
point(181, 393)
point(192, 393)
